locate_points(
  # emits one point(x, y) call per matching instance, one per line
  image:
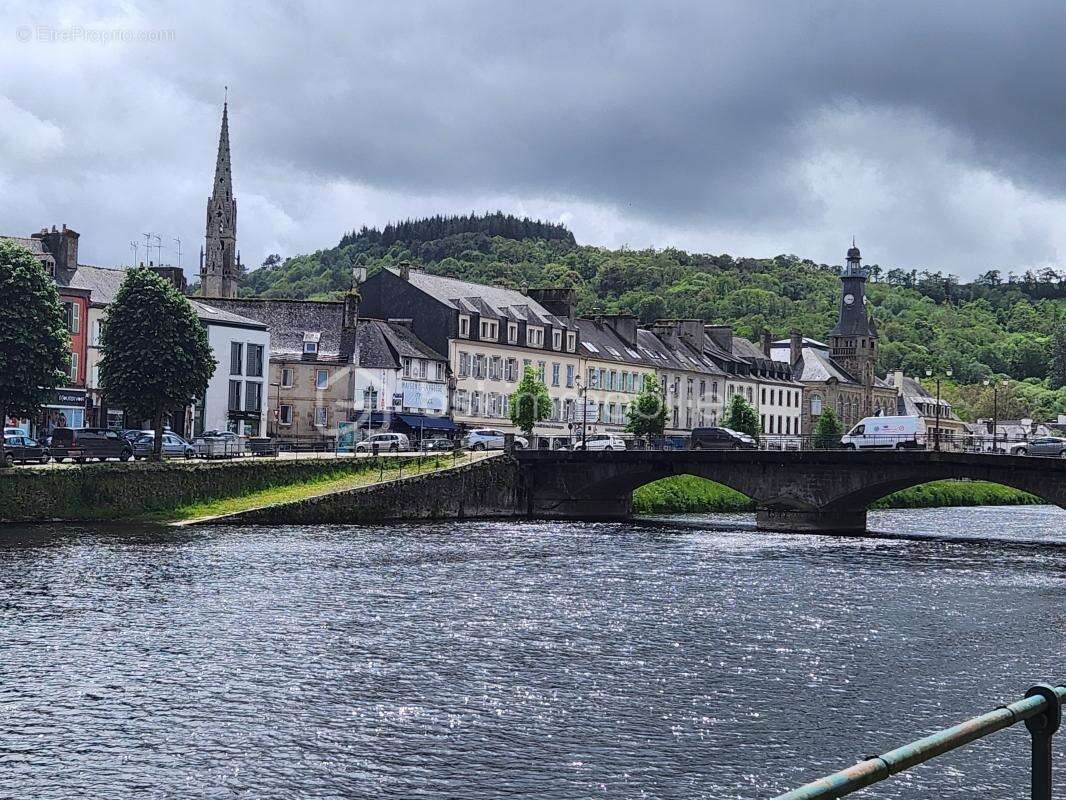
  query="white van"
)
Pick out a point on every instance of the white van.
point(886, 433)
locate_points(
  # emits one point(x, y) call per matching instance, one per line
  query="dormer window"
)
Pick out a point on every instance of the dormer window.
point(557, 340)
point(571, 341)
point(490, 330)
point(512, 332)
point(464, 326)
point(311, 340)
point(535, 336)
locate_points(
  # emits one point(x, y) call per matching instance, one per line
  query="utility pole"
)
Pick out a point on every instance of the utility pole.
point(177, 239)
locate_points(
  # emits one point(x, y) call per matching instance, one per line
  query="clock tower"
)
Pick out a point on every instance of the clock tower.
point(853, 342)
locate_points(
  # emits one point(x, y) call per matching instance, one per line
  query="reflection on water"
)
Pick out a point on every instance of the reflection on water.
point(688, 659)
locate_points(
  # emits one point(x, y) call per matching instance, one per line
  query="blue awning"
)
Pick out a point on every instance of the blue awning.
point(422, 421)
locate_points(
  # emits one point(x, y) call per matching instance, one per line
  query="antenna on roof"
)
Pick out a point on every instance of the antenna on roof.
point(178, 240)
point(135, 247)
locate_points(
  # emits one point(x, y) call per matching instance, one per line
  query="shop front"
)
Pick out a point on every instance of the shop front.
point(64, 408)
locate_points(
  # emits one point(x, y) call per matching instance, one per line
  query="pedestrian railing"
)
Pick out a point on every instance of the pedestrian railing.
point(1040, 710)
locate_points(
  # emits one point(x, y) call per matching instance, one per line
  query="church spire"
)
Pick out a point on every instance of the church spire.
point(219, 270)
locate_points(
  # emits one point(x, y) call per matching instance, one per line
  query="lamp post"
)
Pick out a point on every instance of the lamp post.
point(582, 390)
point(995, 407)
point(936, 430)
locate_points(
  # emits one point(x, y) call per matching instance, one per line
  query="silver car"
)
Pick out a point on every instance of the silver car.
point(386, 443)
point(173, 446)
point(490, 439)
point(1053, 446)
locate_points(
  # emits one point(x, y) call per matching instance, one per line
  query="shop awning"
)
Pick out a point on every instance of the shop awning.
point(424, 422)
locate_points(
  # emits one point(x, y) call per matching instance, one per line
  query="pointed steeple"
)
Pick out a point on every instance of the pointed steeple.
point(219, 270)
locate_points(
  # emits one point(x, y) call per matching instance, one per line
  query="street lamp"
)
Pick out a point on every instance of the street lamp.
point(582, 390)
point(936, 430)
point(995, 407)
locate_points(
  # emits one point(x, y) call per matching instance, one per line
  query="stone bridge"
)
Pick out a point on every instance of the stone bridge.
point(813, 490)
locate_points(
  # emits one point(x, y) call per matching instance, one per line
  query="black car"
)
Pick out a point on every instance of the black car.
point(436, 444)
point(23, 449)
point(81, 444)
point(720, 439)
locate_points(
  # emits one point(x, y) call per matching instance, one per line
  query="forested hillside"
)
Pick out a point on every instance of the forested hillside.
point(1000, 325)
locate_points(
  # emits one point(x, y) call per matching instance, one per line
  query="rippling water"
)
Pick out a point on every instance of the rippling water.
point(693, 658)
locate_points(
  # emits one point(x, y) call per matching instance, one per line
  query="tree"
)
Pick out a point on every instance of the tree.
point(1058, 356)
point(156, 355)
point(647, 413)
point(740, 416)
point(34, 341)
point(828, 431)
point(530, 402)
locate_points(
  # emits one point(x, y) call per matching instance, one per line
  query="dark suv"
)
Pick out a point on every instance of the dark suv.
point(720, 439)
point(81, 444)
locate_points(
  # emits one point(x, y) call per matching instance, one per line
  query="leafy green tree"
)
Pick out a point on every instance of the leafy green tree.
point(156, 355)
point(828, 431)
point(1058, 356)
point(647, 413)
point(530, 402)
point(34, 341)
point(740, 416)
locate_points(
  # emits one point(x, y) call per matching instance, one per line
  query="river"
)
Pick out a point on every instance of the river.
point(694, 658)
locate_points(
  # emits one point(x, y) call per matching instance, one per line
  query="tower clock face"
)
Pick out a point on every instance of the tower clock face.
point(849, 299)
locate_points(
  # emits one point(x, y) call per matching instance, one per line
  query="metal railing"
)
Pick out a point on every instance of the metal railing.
point(1040, 710)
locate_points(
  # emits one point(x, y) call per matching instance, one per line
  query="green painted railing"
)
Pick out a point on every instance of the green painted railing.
point(1040, 710)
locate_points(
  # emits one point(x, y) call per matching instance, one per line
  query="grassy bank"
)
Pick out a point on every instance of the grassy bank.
point(686, 494)
point(175, 490)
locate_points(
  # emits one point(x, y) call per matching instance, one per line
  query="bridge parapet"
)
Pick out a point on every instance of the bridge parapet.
point(799, 490)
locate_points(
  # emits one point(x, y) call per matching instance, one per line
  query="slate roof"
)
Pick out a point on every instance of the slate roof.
point(217, 316)
point(914, 393)
point(289, 320)
point(35, 246)
point(384, 345)
point(102, 282)
point(489, 301)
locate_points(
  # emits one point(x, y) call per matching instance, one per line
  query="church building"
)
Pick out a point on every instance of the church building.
point(220, 262)
point(840, 374)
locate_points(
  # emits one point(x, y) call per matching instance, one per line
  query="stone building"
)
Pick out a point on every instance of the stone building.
point(840, 375)
point(220, 261)
point(914, 400)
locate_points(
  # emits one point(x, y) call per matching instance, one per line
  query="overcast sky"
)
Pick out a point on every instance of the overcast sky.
point(935, 133)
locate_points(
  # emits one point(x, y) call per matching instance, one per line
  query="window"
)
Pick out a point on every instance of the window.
point(464, 364)
point(321, 416)
point(490, 330)
point(96, 376)
point(688, 417)
point(511, 369)
point(540, 370)
point(370, 398)
point(569, 376)
point(688, 387)
point(73, 313)
point(462, 401)
point(255, 361)
point(762, 396)
point(286, 378)
point(94, 335)
point(534, 336)
point(285, 415)
point(464, 326)
point(555, 373)
point(321, 378)
point(594, 381)
point(494, 405)
point(571, 341)
point(311, 347)
point(406, 367)
point(556, 409)
point(479, 366)
point(557, 340)
point(495, 367)
point(236, 358)
point(512, 332)
point(610, 412)
point(475, 404)
point(234, 395)
point(603, 378)
point(253, 396)
point(612, 380)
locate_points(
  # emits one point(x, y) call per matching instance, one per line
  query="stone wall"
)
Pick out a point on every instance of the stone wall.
point(487, 488)
point(111, 491)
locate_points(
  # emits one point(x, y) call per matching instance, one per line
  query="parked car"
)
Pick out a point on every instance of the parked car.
point(173, 446)
point(436, 444)
point(1054, 446)
point(15, 432)
point(886, 433)
point(600, 441)
point(82, 444)
point(23, 449)
point(219, 444)
point(132, 434)
point(720, 439)
point(490, 439)
point(386, 442)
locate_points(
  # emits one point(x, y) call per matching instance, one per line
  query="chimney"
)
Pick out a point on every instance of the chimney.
point(691, 332)
point(559, 301)
point(767, 343)
point(666, 329)
point(62, 244)
point(172, 275)
point(405, 270)
point(721, 335)
point(795, 347)
point(624, 326)
point(897, 380)
point(351, 310)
